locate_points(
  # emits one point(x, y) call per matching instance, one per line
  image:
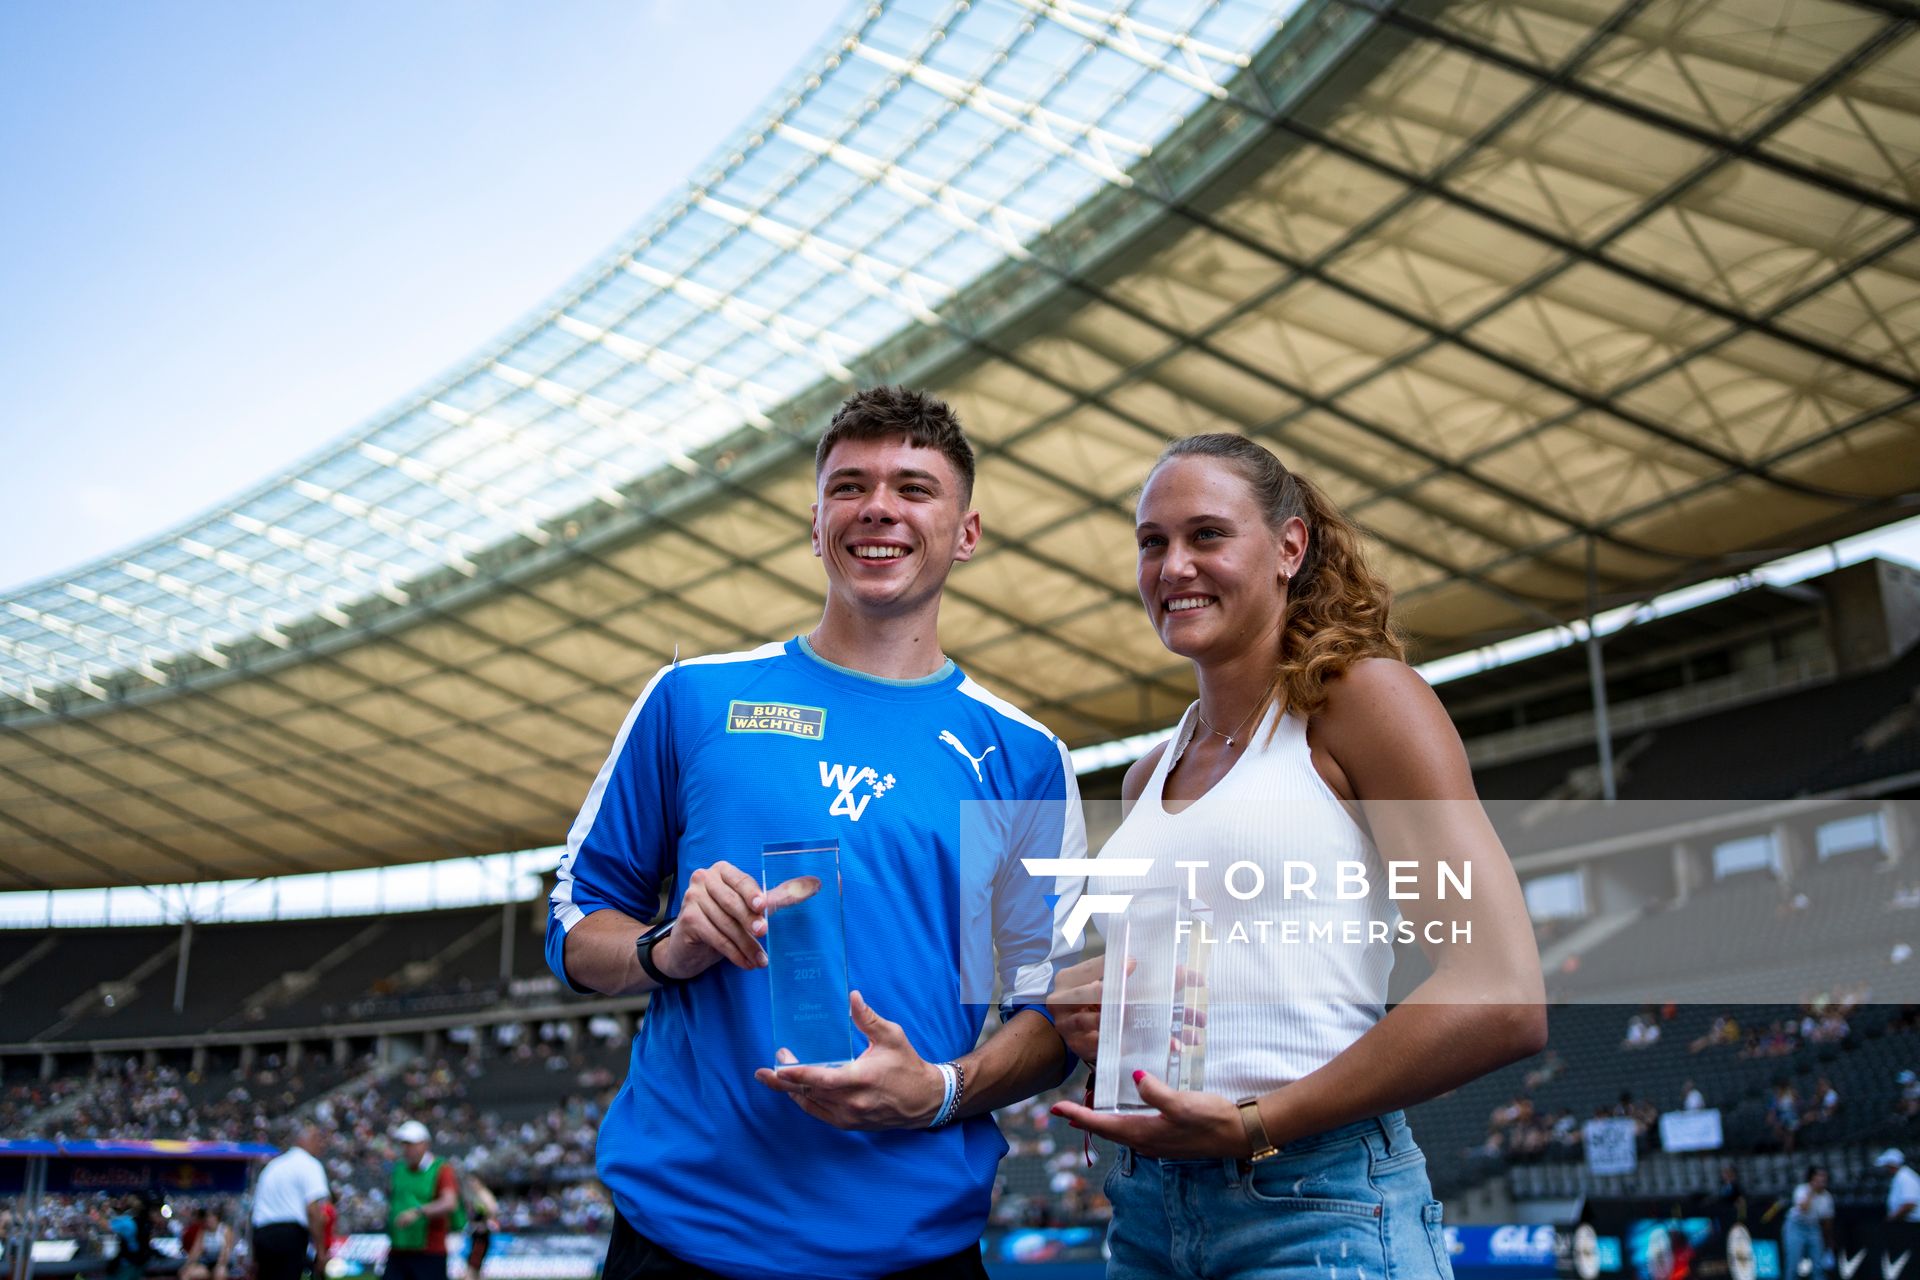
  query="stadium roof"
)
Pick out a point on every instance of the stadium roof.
point(1533, 288)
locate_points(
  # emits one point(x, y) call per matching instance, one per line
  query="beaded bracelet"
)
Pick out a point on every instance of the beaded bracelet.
point(956, 1078)
point(951, 1082)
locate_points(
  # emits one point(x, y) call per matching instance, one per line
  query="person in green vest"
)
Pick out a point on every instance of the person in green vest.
point(423, 1208)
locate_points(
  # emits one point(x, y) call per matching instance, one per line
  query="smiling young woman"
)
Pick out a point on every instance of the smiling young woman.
point(1311, 743)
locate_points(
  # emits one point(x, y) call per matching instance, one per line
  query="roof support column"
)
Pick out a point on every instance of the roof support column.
point(1692, 870)
point(507, 913)
point(1896, 832)
point(180, 969)
point(1597, 677)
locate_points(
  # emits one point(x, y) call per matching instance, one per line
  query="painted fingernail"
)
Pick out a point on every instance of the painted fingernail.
point(1138, 1076)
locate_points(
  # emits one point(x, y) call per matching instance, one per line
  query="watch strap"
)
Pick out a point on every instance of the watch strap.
point(1262, 1146)
point(644, 946)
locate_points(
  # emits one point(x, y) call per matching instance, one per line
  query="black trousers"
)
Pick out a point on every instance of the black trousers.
point(280, 1250)
point(631, 1256)
point(415, 1264)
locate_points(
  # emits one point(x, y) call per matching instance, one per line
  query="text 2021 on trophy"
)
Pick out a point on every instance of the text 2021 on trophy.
point(1153, 1002)
point(807, 955)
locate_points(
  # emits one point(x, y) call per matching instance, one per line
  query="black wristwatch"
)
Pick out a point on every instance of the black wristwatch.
point(645, 944)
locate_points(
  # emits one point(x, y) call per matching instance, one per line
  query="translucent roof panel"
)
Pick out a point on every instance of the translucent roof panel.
point(903, 144)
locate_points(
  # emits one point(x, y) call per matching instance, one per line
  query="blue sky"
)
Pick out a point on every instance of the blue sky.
point(234, 231)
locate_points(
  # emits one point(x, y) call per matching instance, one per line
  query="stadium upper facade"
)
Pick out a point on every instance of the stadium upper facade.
point(1568, 300)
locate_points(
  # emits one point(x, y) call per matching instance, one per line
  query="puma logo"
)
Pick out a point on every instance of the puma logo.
point(946, 736)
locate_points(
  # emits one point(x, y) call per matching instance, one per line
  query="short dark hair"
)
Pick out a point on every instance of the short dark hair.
point(880, 413)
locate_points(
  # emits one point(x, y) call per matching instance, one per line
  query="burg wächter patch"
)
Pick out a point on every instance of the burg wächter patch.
point(777, 717)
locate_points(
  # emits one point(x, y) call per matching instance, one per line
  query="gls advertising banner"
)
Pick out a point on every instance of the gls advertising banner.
point(1503, 1253)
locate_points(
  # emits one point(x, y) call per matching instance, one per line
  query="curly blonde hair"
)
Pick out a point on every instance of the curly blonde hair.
point(1337, 607)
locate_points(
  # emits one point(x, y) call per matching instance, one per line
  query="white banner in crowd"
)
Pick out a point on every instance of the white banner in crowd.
point(1610, 1146)
point(1691, 1130)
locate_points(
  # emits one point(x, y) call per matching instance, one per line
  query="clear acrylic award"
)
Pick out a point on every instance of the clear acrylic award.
point(807, 955)
point(1153, 1004)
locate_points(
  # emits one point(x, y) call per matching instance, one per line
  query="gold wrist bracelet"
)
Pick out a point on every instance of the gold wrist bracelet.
point(1256, 1130)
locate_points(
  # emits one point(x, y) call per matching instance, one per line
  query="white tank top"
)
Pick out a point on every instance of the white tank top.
point(1289, 994)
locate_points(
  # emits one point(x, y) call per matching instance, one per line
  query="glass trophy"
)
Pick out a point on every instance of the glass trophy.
point(807, 956)
point(1153, 1005)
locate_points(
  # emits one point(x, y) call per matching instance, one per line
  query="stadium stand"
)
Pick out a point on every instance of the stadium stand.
point(1500, 1126)
point(1853, 730)
point(51, 985)
point(524, 1121)
point(118, 985)
point(1835, 923)
point(128, 1100)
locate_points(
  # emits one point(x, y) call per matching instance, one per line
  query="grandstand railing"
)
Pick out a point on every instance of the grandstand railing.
point(550, 1009)
point(1665, 823)
point(1718, 694)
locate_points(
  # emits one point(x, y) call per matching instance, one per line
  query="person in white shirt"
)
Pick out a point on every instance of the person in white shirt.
point(1313, 747)
point(289, 1206)
point(1903, 1197)
point(1695, 1100)
point(1809, 1227)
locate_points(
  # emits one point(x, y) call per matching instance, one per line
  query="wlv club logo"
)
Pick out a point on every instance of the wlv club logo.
point(845, 779)
point(1090, 905)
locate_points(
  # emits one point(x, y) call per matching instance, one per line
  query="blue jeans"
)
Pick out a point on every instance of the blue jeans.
point(1801, 1241)
point(1349, 1204)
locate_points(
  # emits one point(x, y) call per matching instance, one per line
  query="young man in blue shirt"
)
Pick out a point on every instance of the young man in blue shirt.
point(865, 732)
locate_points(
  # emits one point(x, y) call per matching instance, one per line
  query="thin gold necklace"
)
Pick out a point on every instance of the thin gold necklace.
point(1208, 724)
